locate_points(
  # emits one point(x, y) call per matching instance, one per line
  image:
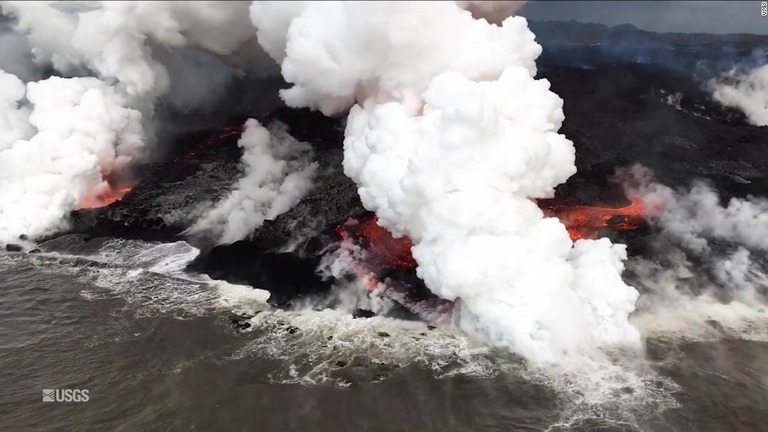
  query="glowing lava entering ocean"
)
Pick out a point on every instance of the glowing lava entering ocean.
point(105, 197)
point(581, 221)
point(387, 260)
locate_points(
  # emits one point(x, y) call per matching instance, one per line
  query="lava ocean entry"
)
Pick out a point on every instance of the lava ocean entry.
point(114, 193)
point(228, 198)
point(387, 262)
point(581, 221)
point(105, 198)
point(387, 251)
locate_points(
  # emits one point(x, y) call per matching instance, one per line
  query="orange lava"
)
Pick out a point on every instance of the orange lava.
point(225, 133)
point(387, 251)
point(581, 221)
point(105, 198)
point(585, 222)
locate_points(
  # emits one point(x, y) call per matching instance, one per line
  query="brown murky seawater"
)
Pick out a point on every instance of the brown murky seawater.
point(155, 356)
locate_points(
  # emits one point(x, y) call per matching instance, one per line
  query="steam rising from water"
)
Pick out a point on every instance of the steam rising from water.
point(82, 129)
point(82, 132)
point(449, 151)
point(449, 138)
point(708, 274)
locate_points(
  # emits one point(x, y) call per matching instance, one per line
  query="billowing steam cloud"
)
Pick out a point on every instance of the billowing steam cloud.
point(449, 139)
point(695, 217)
point(125, 40)
point(748, 92)
point(82, 129)
point(14, 119)
point(82, 133)
point(278, 172)
point(698, 215)
point(709, 264)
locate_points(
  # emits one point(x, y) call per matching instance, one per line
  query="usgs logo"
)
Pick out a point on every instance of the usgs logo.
point(65, 395)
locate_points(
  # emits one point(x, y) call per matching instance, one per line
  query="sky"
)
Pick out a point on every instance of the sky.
point(662, 16)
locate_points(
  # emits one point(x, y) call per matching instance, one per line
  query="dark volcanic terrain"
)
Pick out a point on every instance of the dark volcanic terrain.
point(617, 114)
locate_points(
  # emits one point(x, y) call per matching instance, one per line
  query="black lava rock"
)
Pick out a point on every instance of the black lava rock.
point(616, 115)
point(363, 313)
point(286, 276)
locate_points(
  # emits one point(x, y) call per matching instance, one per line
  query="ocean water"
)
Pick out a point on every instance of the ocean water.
point(157, 350)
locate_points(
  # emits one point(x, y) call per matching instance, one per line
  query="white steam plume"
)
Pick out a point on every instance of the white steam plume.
point(449, 141)
point(748, 92)
point(339, 53)
point(83, 132)
point(116, 39)
point(278, 172)
point(695, 216)
point(14, 119)
point(128, 46)
point(678, 300)
point(143, 48)
point(709, 264)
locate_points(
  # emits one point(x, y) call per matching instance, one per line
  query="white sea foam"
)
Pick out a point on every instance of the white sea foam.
point(150, 276)
point(322, 347)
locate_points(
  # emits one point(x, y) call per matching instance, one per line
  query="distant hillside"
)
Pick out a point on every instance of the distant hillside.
point(586, 45)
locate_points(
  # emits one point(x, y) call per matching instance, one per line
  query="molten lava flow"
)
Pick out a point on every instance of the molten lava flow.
point(104, 198)
point(386, 251)
point(108, 193)
point(384, 256)
point(581, 221)
point(585, 222)
point(388, 268)
point(225, 133)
